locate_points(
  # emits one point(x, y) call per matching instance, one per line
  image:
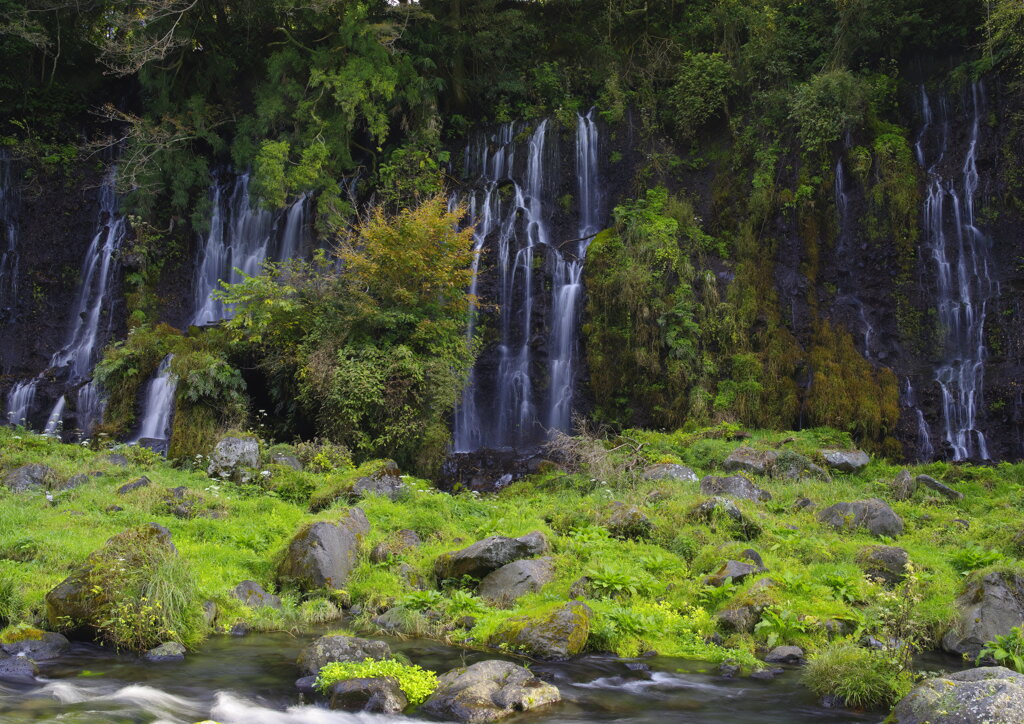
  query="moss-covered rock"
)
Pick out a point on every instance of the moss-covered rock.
point(322, 554)
point(557, 635)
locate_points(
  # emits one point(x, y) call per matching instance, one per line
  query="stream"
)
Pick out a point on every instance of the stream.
point(250, 681)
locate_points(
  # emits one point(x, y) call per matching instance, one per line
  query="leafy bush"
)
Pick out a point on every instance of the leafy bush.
point(11, 604)
point(862, 678)
point(779, 626)
point(1007, 650)
point(972, 557)
point(610, 582)
point(700, 92)
point(827, 106)
point(416, 683)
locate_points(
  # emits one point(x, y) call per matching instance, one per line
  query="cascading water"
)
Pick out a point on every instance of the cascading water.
point(19, 402)
point(504, 406)
point(847, 286)
point(964, 285)
point(241, 237)
point(8, 244)
point(925, 450)
point(158, 407)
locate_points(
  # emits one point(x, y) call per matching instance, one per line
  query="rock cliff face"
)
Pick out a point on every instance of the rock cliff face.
point(924, 266)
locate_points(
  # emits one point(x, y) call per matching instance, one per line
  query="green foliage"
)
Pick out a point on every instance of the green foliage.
point(416, 683)
point(1007, 650)
point(971, 557)
point(700, 92)
point(862, 678)
point(779, 626)
point(827, 106)
point(11, 605)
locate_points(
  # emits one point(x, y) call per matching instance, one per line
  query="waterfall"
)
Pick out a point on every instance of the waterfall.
point(8, 243)
point(53, 422)
point(158, 406)
point(507, 402)
point(847, 283)
point(925, 450)
point(19, 402)
point(241, 237)
point(961, 254)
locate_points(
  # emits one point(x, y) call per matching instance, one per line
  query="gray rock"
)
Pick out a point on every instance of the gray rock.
point(322, 554)
point(30, 477)
point(888, 563)
point(749, 460)
point(991, 694)
point(288, 461)
point(165, 653)
point(234, 458)
point(74, 481)
point(488, 555)
point(488, 691)
point(872, 514)
point(306, 685)
point(903, 486)
point(18, 669)
point(734, 570)
point(628, 522)
point(46, 646)
point(402, 541)
point(723, 508)
point(989, 607)
point(790, 465)
point(767, 674)
point(930, 482)
point(516, 579)
point(846, 461)
point(386, 481)
point(328, 649)
point(741, 619)
point(252, 595)
point(785, 655)
point(381, 695)
point(209, 612)
point(736, 486)
point(670, 471)
point(142, 482)
point(557, 636)
point(117, 459)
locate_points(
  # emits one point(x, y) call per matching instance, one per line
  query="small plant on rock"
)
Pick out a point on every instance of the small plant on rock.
point(1006, 650)
point(416, 683)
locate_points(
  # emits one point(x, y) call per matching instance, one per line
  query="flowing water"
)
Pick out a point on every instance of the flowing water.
point(158, 406)
point(250, 681)
point(961, 253)
point(517, 400)
point(8, 245)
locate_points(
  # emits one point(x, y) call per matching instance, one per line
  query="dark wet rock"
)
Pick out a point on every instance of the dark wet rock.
point(728, 671)
point(235, 459)
point(322, 554)
point(80, 598)
point(386, 481)
point(396, 545)
point(767, 674)
point(239, 629)
point(888, 563)
point(113, 509)
point(75, 481)
point(903, 486)
point(142, 482)
point(558, 635)
point(288, 461)
point(846, 461)
point(736, 486)
point(628, 522)
point(873, 514)
point(489, 555)
point(793, 655)
point(30, 477)
point(930, 482)
point(381, 695)
point(328, 649)
point(253, 595)
point(741, 619)
point(749, 460)
point(791, 465)
point(580, 587)
point(165, 653)
point(411, 576)
point(182, 502)
point(38, 646)
point(726, 510)
point(117, 459)
point(516, 579)
point(670, 471)
point(19, 669)
point(488, 691)
point(804, 504)
point(209, 612)
point(988, 694)
point(735, 571)
point(989, 606)
point(306, 685)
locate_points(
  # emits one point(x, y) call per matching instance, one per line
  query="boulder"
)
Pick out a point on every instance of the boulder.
point(182, 502)
point(142, 482)
point(749, 460)
point(381, 695)
point(488, 691)
point(322, 554)
point(930, 482)
point(989, 607)
point(516, 579)
point(328, 649)
point(988, 694)
point(18, 669)
point(117, 459)
point(80, 598)
point(165, 653)
point(628, 522)
point(288, 461)
point(793, 655)
point(721, 508)
point(670, 471)
point(386, 481)
point(37, 645)
point(846, 461)
point(489, 555)
point(903, 486)
point(30, 477)
point(736, 486)
point(252, 595)
point(234, 458)
point(741, 619)
point(889, 563)
point(397, 544)
point(74, 481)
point(872, 514)
point(792, 465)
point(560, 634)
point(734, 570)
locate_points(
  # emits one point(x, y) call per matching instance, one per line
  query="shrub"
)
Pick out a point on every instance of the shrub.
point(11, 604)
point(416, 683)
point(827, 106)
point(703, 81)
point(1006, 650)
point(862, 678)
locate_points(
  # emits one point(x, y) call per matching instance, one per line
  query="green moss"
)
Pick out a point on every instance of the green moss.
point(416, 683)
